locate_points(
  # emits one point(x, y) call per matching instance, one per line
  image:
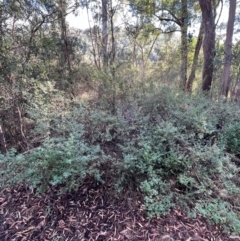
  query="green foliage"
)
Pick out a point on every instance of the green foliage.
point(178, 150)
point(178, 142)
point(173, 148)
point(219, 212)
point(63, 160)
point(232, 137)
point(158, 198)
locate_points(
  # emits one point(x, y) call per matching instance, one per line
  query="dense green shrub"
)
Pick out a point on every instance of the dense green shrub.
point(232, 137)
point(177, 153)
point(63, 160)
point(219, 212)
point(177, 150)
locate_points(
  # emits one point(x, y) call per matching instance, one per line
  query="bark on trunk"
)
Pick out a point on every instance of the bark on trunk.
point(1, 25)
point(184, 43)
point(65, 46)
point(195, 59)
point(2, 141)
point(228, 48)
point(105, 33)
point(112, 60)
point(208, 43)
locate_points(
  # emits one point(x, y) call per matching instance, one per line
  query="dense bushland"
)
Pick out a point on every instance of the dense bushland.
point(105, 103)
point(177, 150)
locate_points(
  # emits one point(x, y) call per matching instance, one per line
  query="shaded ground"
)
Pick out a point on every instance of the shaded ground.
point(91, 214)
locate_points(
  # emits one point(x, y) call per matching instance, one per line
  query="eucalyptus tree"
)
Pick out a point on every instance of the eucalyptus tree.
point(105, 32)
point(62, 12)
point(29, 51)
point(173, 16)
point(59, 30)
point(208, 9)
point(195, 58)
point(1, 23)
point(20, 23)
point(228, 48)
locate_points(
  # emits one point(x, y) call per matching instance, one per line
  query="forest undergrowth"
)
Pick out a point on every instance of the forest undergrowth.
point(176, 150)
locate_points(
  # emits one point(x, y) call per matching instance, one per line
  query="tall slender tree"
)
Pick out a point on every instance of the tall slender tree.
point(105, 33)
point(1, 24)
point(228, 48)
point(184, 42)
point(173, 16)
point(195, 59)
point(207, 9)
point(65, 58)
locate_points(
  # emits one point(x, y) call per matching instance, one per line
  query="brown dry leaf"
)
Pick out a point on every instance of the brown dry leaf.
point(68, 230)
point(234, 237)
point(4, 204)
point(29, 229)
point(165, 236)
point(61, 224)
point(127, 233)
point(88, 214)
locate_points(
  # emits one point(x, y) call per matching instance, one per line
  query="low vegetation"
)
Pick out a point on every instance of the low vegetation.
point(176, 150)
point(137, 116)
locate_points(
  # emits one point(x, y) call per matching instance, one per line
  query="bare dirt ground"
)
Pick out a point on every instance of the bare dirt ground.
point(93, 214)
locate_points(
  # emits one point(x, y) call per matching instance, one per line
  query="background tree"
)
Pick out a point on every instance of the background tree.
point(207, 9)
point(173, 16)
point(109, 103)
point(105, 33)
point(228, 48)
point(42, 49)
point(62, 8)
point(195, 59)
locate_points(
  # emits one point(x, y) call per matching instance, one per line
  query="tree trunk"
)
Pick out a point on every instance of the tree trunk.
point(1, 25)
point(228, 48)
point(195, 59)
point(112, 59)
point(208, 43)
point(184, 43)
point(65, 46)
point(105, 33)
point(3, 143)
